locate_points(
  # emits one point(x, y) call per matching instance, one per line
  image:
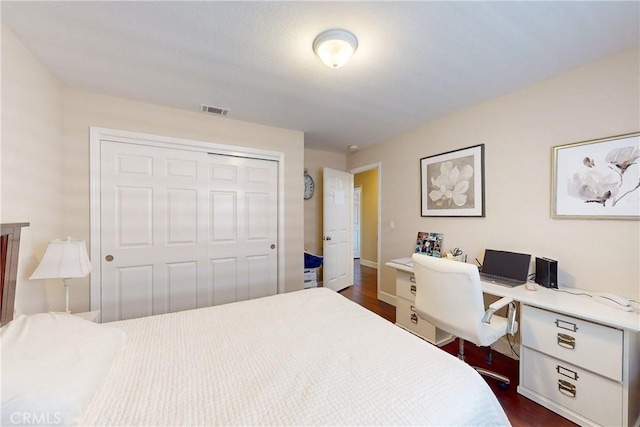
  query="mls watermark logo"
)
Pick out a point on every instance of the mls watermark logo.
point(35, 418)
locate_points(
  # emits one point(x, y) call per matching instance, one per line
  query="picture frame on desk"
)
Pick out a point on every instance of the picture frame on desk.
point(597, 179)
point(429, 244)
point(452, 183)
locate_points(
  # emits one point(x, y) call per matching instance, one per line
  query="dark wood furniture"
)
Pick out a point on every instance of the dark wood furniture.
point(9, 249)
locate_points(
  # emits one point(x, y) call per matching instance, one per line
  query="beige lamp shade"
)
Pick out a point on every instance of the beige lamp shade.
point(64, 259)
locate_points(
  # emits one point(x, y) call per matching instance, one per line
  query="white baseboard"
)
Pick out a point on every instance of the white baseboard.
point(388, 298)
point(367, 263)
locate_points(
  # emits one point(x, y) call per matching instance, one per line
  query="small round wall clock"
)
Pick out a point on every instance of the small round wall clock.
point(309, 186)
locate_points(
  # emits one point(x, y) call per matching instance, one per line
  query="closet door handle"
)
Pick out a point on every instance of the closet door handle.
point(109, 258)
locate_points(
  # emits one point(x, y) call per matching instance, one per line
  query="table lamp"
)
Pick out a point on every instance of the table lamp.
point(64, 259)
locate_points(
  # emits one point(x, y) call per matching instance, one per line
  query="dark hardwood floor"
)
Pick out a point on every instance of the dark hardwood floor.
point(521, 411)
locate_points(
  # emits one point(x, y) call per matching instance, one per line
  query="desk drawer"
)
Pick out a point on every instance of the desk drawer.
point(407, 317)
point(406, 285)
point(582, 343)
point(592, 396)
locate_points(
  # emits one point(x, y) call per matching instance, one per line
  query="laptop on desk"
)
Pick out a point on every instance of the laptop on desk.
point(505, 268)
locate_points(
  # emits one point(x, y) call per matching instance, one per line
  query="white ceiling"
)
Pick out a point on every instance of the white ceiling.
point(416, 61)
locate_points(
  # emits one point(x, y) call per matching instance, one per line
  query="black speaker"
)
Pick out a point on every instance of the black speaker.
point(547, 272)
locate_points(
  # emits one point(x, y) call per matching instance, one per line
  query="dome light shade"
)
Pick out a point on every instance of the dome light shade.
point(335, 47)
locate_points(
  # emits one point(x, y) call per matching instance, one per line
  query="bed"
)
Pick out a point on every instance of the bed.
point(310, 357)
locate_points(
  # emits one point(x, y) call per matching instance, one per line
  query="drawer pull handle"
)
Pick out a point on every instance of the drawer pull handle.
point(567, 372)
point(413, 289)
point(566, 325)
point(414, 318)
point(566, 388)
point(566, 341)
point(413, 309)
point(412, 279)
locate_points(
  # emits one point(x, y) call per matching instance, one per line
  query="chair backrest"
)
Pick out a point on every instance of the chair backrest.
point(449, 296)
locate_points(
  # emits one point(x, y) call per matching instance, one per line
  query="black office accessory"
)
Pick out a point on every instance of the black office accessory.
point(505, 268)
point(547, 272)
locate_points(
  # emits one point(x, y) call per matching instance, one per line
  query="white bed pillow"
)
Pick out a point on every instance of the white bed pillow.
point(51, 366)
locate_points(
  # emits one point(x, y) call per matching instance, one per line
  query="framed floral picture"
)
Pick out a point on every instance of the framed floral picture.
point(452, 183)
point(597, 179)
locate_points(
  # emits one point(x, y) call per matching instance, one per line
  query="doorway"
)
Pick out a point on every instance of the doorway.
point(368, 179)
point(357, 194)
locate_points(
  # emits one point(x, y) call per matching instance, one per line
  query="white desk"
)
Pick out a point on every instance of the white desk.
point(595, 380)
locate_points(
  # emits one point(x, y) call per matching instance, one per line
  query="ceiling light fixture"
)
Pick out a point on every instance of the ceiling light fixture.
point(335, 47)
point(353, 148)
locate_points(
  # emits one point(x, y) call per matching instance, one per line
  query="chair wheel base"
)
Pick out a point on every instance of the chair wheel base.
point(503, 381)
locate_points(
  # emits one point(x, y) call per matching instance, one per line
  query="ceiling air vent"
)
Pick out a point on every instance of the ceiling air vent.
point(213, 110)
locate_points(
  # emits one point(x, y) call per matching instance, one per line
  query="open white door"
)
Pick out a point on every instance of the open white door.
point(338, 229)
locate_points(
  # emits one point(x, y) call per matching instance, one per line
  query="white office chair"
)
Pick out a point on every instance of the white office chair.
point(449, 296)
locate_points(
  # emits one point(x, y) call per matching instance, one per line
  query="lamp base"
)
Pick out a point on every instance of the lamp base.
point(66, 296)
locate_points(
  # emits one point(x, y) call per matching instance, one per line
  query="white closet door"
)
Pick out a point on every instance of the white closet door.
point(243, 228)
point(159, 221)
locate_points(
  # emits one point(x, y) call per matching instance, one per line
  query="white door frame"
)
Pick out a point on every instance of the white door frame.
point(382, 296)
point(96, 134)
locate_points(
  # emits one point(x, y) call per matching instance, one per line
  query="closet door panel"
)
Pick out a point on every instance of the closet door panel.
point(183, 229)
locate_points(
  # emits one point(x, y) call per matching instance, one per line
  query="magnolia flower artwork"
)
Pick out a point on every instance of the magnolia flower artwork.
point(599, 179)
point(451, 186)
point(452, 183)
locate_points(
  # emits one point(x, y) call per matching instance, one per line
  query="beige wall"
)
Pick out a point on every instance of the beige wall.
point(518, 130)
point(314, 161)
point(45, 164)
point(368, 181)
point(84, 109)
point(32, 164)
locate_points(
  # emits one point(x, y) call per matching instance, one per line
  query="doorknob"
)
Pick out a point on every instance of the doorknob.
point(273, 246)
point(109, 258)
point(326, 237)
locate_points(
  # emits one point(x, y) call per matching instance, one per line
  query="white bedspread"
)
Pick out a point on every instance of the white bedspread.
point(304, 358)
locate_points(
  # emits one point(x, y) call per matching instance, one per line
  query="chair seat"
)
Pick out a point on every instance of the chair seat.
point(491, 332)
